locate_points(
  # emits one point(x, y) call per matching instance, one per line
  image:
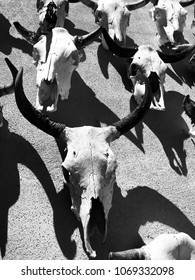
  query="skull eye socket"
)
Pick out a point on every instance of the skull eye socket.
point(98, 16)
point(133, 69)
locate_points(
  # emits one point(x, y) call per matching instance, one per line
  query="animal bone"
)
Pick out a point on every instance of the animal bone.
point(143, 60)
point(56, 56)
point(89, 164)
point(178, 246)
point(170, 17)
point(51, 14)
point(114, 16)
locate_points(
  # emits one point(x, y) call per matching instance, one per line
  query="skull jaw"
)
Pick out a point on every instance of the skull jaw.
point(47, 96)
point(121, 41)
point(158, 97)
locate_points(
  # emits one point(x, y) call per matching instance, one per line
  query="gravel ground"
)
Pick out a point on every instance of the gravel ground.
point(154, 191)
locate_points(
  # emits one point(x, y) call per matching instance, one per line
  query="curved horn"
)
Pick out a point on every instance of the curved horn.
point(85, 40)
point(89, 3)
point(177, 56)
point(117, 50)
point(186, 3)
point(135, 117)
point(28, 111)
point(31, 37)
point(137, 5)
point(132, 254)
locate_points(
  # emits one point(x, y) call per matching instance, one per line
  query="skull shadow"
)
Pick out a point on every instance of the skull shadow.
point(105, 57)
point(141, 205)
point(171, 130)
point(8, 41)
point(83, 108)
point(15, 149)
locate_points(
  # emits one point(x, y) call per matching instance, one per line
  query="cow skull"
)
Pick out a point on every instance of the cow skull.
point(114, 16)
point(170, 19)
point(52, 13)
point(178, 246)
point(143, 60)
point(56, 56)
point(90, 164)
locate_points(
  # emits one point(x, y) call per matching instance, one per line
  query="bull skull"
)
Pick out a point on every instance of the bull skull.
point(90, 164)
point(52, 13)
point(170, 19)
point(56, 56)
point(178, 246)
point(143, 60)
point(114, 16)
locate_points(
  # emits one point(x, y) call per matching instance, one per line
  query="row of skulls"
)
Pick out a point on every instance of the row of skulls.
point(89, 165)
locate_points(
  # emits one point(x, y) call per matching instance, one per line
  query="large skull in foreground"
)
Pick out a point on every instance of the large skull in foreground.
point(178, 246)
point(143, 60)
point(170, 17)
point(56, 56)
point(51, 14)
point(114, 16)
point(90, 164)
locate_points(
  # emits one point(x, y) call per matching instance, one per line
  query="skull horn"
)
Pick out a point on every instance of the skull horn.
point(91, 4)
point(85, 40)
point(137, 5)
point(116, 49)
point(134, 118)
point(28, 111)
point(177, 56)
point(132, 254)
point(186, 3)
point(31, 37)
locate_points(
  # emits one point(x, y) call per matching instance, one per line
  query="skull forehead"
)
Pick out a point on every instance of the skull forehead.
point(61, 43)
point(86, 145)
point(147, 59)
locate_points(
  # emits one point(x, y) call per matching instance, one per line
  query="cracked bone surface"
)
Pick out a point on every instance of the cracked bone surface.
point(114, 16)
point(178, 246)
point(170, 19)
point(89, 165)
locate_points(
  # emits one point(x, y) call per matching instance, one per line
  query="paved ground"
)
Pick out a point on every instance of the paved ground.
point(155, 189)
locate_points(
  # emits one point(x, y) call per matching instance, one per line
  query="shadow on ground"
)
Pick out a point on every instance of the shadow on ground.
point(171, 130)
point(141, 205)
point(8, 41)
point(15, 149)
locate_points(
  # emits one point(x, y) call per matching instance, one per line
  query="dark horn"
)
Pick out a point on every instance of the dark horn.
point(137, 5)
point(30, 36)
point(116, 49)
point(34, 116)
point(132, 254)
point(140, 111)
point(85, 40)
point(89, 3)
point(186, 3)
point(177, 56)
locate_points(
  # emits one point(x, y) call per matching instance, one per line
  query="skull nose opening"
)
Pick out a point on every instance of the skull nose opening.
point(178, 37)
point(133, 69)
point(97, 218)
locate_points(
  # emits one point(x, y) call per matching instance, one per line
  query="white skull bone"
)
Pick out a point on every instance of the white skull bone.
point(170, 19)
point(145, 61)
